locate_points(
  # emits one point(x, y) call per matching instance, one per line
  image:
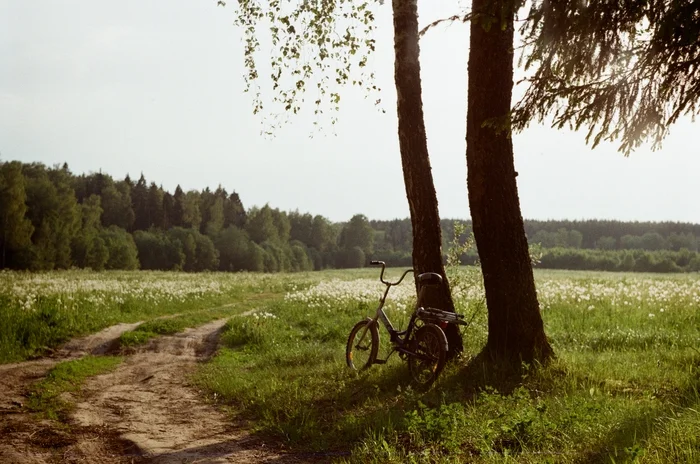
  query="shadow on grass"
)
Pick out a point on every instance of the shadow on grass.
point(621, 444)
point(334, 420)
point(371, 402)
point(627, 439)
point(235, 448)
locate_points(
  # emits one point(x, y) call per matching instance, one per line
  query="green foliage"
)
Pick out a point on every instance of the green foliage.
point(625, 70)
point(117, 205)
point(15, 229)
point(313, 45)
point(158, 250)
point(154, 207)
point(84, 241)
point(358, 233)
point(255, 258)
point(52, 208)
point(618, 260)
point(606, 243)
point(178, 208)
point(191, 214)
point(237, 252)
point(67, 222)
point(97, 254)
point(121, 249)
point(651, 241)
point(679, 241)
point(561, 238)
point(139, 198)
point(89, 221)
point(351, 258)
point(277, 256)
point(234, 213)
point(268, 225)
point(207, 257)
point(199, 250)
point(214, 220)
point(300, 258)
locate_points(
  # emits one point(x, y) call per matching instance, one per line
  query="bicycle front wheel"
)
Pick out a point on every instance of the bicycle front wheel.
point(429, 346)
point(363, 345)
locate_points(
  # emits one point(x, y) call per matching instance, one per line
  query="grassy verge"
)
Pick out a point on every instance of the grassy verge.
point(45, 396)
point(625, 386)
point(172, 325)
point(40, 311)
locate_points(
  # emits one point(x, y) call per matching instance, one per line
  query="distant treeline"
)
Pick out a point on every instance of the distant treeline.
point(51, 218)
point(585, 245)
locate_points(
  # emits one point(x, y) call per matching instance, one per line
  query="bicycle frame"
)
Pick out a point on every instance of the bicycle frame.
point(380, 314)
point(395, 336)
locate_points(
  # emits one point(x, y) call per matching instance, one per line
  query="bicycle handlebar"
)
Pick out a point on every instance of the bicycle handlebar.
point(381, 276)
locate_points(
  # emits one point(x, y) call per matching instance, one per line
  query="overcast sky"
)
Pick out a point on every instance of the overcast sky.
point(155, 87)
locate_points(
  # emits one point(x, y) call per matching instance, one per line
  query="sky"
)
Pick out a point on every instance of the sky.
point(131, 87)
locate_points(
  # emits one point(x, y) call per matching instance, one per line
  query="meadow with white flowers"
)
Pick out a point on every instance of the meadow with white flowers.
point(38, 311)
point(624, 386)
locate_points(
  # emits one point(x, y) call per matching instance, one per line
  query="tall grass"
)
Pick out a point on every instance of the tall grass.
point(624, 387)
point(40, 311)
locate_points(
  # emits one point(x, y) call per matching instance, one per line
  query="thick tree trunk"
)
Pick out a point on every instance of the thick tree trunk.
point(418, 178)
point(515, 325)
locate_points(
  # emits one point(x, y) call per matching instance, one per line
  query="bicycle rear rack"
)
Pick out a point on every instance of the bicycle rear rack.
point(435, 315)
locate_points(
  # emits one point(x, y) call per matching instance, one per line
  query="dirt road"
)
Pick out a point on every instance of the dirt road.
point(144, 411)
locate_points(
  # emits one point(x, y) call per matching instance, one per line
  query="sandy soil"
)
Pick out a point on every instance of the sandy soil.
point(144, 411)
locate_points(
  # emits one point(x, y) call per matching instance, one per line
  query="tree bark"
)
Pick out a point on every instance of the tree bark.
point(516, 332)
point(418, 178)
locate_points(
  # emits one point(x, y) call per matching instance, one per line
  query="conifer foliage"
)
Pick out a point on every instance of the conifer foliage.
point(625, 70)
point(53, 219)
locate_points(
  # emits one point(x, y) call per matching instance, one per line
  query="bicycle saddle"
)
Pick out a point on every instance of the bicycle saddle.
point(430, 278)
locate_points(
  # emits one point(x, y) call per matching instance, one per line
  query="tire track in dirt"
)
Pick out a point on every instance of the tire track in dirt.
point(15, 377)
point(23, 439)
point(144, 411)
point(149, 403)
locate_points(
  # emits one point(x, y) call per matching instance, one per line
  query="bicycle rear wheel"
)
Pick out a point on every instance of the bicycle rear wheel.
point(363, 345)
point(430, 347)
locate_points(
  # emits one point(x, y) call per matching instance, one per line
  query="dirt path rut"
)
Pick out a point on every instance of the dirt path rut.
point(23, 439)
point(16, 376)
point(148, 401)
point(144, 411)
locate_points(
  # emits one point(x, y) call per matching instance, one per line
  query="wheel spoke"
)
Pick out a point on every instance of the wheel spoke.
point(429, 356)
point(362, 346)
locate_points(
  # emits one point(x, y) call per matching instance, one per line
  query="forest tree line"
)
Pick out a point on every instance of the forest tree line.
point(603, 245)
point(51, 218)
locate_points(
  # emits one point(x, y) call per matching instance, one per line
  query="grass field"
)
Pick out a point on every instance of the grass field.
point(39, 311)
point(624, 386)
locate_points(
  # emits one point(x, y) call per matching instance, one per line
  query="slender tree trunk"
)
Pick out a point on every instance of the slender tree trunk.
point(418, 178)
point(515, 325)
point(4, 246)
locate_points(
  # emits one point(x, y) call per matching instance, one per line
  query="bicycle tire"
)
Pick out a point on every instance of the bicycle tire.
point(429, 340)
point(354, 349)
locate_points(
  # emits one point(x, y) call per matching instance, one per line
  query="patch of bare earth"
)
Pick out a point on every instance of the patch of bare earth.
point(149, 403)
point(144, 411)
point(22, 438)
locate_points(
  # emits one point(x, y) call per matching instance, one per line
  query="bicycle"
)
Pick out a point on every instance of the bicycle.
point(423, 344)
